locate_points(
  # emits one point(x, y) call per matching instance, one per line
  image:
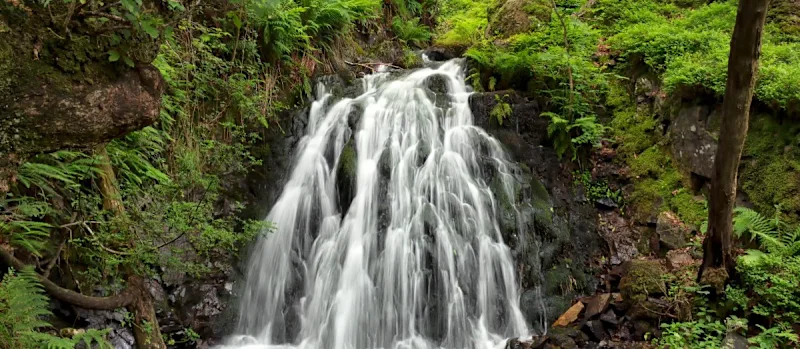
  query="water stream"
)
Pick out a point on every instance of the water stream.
point(410, 255)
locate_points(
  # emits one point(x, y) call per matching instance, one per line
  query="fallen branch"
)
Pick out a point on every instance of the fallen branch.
point(91, 232)
point(367, 65)
point(120, 300)
point(104, 15)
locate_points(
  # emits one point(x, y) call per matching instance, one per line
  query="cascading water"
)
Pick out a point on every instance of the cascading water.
point(414, 257)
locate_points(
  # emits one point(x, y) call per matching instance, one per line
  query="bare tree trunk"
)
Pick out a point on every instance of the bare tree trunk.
point(742, 68)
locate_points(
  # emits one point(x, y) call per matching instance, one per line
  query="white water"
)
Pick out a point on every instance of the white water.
point(417, 259)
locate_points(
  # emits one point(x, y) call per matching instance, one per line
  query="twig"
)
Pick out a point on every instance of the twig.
point(79, 223)
point(91, 232)
point(104, 15)
point(367, 65)
point(56, 257)
point(191, 219)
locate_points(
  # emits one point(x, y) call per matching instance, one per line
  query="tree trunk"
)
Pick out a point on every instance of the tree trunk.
point(146, 330)
point(112, 200)
point(742, 68)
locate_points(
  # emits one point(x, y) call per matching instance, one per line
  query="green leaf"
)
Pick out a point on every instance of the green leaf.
point(128, 61)
point(113, 56)
point(148, 28)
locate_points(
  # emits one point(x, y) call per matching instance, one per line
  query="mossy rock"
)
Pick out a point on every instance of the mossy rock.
point(786, 14)
point(643, 278)
point(511, 17)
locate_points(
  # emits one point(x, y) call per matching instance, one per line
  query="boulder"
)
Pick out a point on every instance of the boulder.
point(641, 279)
point(734, 340)
point(597, 304)
point(692, 142)
point(678, 260)
point(672, 232)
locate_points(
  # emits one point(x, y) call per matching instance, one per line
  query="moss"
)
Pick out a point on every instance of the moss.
point(634, 131)
point(691, 210)
point(510, 17)
point(643, 278)
point(770, 172)
point(716, 278)
point(652, 161)
point(348, 161)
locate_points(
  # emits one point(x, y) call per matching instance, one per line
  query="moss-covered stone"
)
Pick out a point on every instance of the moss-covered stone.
point(770, 169)
point(348, 162)
point(643, 278)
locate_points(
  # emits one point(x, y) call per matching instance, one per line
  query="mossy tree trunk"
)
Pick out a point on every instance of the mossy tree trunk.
point(742, 68)
point(146, 330)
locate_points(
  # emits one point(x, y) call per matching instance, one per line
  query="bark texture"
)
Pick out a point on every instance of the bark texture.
point(742, 69)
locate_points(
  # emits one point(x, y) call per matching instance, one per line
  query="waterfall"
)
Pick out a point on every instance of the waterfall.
point(386, 235)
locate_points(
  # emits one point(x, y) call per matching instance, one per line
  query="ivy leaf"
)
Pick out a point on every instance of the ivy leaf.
point(148, 28)
point(113, 56)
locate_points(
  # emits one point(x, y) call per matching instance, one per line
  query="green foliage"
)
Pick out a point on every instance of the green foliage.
point(689, 48)
point(501, 110)
point(23, 309)
point(597, 189)
point(568, 135)
point(462, 22)
point(411, 31)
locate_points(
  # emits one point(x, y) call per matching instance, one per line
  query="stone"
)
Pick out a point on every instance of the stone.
point(692, 143)
point(678, 259)
point(606, 204)
point(641, 328)
point(596, 330)
point(672, 232)
point(641, 279)
point(569, 316)
point(609, 317)
point(597, 304)
point(734, 340)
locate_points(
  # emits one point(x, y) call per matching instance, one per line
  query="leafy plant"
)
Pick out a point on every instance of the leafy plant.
point(411, 31)
point(571, 135)
point(23, 307)
point(501, 110)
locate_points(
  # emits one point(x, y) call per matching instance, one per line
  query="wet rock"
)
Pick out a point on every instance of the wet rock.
point(597, 304)
point(563, 337)
point(672, 232)
point(678, 259)
point(119, 336)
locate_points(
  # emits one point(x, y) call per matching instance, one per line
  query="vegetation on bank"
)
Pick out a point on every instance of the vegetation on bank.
point(160, 202)
point(591, 64)
point(155, 202)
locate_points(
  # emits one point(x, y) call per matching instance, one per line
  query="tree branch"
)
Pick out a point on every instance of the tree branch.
point(120, 300)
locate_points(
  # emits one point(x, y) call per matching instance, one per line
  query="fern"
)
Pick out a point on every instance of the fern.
point(411, 31)
point(773, 234)
point(19, 228)
point(23, 308)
